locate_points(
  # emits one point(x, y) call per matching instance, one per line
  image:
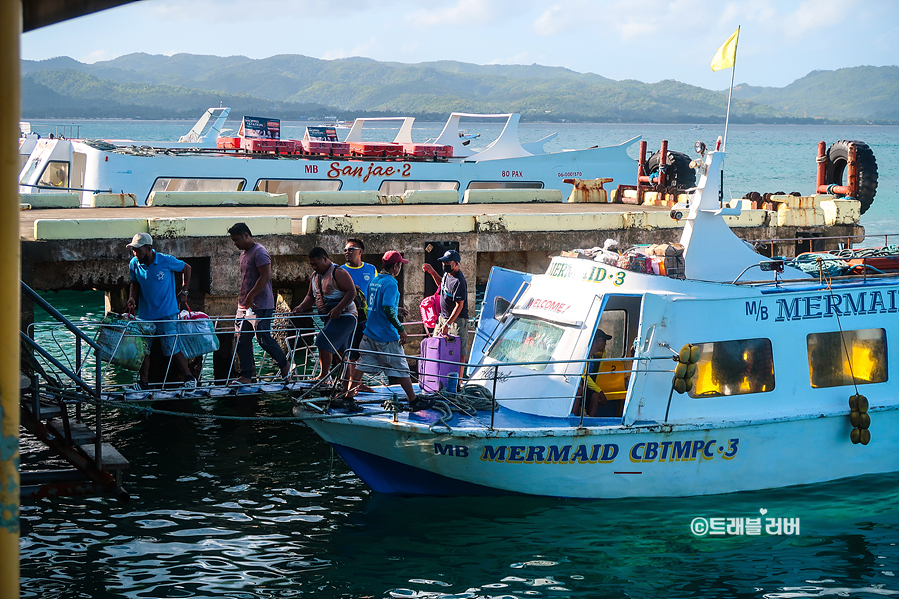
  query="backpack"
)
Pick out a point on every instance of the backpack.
point(361, 305)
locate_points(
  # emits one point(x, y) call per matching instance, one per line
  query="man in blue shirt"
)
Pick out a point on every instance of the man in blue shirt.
point(384, 333)
point(362, 274)
point(153, 293)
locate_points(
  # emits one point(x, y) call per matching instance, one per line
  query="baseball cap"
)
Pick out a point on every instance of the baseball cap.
point(601, 334)
point(451, 256)
point(139, 240)
point(393, 257)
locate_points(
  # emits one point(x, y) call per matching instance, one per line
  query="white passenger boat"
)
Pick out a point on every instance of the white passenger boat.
point(197, 164)
point(774, 359)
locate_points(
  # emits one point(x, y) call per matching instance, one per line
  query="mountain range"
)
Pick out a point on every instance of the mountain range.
point(294, 86)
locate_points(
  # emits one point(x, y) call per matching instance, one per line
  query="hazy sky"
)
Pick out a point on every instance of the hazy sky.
point(647, 40)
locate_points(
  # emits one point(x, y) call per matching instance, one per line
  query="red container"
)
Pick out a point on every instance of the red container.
point(427, 150)
point(328, 148)
point(419, 150)
point(369, 148)
point(228, 143)
point(285, 146)
point(259, 145)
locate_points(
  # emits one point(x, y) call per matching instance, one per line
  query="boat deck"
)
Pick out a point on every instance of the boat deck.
point(503, 418)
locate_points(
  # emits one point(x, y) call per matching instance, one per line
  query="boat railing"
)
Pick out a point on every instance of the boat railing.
point(639, 364)
point(849, 239)
point(110, 381)
point(296, 331)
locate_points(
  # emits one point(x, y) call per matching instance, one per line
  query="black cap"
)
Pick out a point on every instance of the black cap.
point(601, 334)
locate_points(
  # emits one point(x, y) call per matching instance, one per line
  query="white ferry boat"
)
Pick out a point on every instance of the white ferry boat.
point(203, 161)
point(746, 374)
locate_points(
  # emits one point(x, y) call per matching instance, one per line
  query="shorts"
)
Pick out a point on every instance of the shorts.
point(393, 365)
point(460, 324)
point(336, 335)
point(167, 330)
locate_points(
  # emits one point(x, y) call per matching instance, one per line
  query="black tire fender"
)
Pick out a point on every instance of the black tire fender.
point(835, 169)
point(678, 174)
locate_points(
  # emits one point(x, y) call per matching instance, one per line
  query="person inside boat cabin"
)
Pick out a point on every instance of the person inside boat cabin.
point(331, 291)
point(597, 404)
point(453, 319)
point(384, 333)
point(152, 292)
point(255, 305)
point(362, 274)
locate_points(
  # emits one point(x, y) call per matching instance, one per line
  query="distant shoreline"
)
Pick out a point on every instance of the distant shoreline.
point(524, 121)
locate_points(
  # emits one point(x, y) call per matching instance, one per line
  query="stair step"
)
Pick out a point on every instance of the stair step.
point(81, 433)
point(48, 410)
point(112, 459)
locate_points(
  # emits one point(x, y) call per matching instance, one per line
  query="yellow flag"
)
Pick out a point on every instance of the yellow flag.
point(727, 53)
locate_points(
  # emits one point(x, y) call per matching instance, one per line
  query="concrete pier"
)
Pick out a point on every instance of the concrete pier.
point(85, 248)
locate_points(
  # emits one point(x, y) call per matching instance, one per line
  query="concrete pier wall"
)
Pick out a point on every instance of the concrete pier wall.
point(102, 264)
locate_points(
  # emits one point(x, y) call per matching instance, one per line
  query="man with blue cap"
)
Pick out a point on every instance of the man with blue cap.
point(453, 319)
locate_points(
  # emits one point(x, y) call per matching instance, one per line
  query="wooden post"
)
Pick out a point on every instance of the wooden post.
point(10, 296)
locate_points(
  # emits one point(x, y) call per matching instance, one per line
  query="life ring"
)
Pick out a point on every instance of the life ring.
point(835, 169)
point(677, 174)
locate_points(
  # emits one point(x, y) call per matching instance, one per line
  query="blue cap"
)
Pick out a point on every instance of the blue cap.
point(451, 256)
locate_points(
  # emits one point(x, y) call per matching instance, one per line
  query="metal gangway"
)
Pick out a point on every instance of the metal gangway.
point(70, 384)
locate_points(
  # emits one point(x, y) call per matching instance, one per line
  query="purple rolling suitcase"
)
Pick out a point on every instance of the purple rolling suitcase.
point(432, 376)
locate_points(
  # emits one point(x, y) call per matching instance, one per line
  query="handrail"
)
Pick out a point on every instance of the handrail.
point(848, 238)
point(77, 379)
point(33, 296)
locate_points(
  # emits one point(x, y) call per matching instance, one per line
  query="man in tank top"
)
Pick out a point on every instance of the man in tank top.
point(331, 292)
point(255, 305)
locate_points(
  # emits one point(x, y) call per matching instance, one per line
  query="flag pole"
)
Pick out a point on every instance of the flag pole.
point(730, 93)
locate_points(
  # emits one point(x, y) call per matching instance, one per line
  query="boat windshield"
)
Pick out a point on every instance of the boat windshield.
point(527, 340)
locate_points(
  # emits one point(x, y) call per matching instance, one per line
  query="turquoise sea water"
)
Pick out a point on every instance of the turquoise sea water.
point(251, 509)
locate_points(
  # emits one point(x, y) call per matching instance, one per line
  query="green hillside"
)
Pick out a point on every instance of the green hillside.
point(293, 85)
point(859, 92)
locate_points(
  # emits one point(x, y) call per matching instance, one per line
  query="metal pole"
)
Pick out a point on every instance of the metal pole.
point(493, 401)
point(730, 93)
point(10, 298)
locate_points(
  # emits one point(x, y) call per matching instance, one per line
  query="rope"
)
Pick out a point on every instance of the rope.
point(818, 263)
point(842, 335)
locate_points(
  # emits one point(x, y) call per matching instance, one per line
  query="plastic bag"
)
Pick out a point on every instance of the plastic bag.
point(121, 340)
point(196, 334)
point(430, 310)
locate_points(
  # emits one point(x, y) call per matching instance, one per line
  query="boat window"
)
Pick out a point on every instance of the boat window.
point(398, 188)
point(505, 185)
point(292, 186)
point(26, 176)
point(734, 368)
point(614, 323)
point(836, 359)
point(171, 184)
point(56, 174)
point(527, 340)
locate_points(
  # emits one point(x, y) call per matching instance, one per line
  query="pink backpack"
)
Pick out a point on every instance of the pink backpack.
point(430, 310)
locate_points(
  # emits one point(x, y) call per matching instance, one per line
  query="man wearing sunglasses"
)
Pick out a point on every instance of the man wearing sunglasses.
point(362, 274)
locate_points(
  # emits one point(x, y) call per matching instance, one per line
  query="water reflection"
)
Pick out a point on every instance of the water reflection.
point(254, 509)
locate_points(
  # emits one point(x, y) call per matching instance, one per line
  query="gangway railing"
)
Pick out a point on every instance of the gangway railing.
point(74, 376)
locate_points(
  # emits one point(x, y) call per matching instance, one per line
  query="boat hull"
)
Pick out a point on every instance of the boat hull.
point(609, 462)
